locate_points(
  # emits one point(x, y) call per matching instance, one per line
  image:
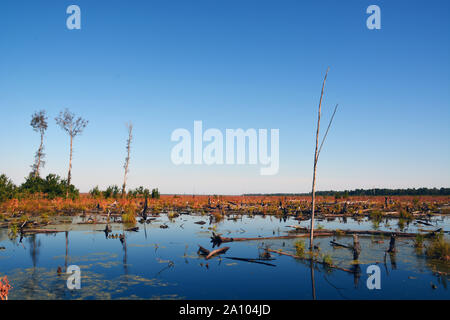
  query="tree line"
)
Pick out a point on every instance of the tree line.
point(368, 192)
point(52, 185)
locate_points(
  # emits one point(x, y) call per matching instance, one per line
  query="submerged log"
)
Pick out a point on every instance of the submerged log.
point(253, 261)
point(336, 244)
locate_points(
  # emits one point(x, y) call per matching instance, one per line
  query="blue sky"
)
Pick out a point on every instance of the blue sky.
point(232, 64)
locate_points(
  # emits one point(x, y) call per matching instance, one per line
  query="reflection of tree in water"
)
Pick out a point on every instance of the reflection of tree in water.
point(123, 240)
point(34, 282)
point(34, 248)
point(66, 258)
point(313, 283)
point(31, 283)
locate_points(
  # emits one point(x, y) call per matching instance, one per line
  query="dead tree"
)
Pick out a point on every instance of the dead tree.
point(316, 158)
point(127, 159)
point(39, 124)
point(66, 120)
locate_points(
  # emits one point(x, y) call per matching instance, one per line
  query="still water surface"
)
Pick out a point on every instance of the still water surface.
point(157, 263)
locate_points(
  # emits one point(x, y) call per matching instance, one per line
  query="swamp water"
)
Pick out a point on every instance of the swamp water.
point(162, 263)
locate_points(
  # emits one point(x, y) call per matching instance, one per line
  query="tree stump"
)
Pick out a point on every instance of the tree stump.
point(392, 244)
point(356, 247)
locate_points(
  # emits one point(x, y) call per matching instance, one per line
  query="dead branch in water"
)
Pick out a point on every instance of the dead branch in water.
point(209, 254)
point(253, 261)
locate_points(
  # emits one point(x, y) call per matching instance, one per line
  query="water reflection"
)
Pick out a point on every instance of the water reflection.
point(165, 263)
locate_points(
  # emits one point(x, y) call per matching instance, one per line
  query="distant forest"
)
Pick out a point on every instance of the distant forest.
point(368, 192)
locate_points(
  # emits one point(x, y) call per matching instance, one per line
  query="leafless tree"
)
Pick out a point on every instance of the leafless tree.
point(73, 126)
point(127, 159)
point(316, 158)
point(39, 124)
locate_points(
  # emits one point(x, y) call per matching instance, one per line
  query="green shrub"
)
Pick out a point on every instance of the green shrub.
point(155, 194)
point(52, 186)
point(138, 192)
point(7, 188)
point(111, 192)
point(95, 192)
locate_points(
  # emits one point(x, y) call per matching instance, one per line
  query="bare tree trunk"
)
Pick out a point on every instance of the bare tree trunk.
point(69, 175)
point(127, 159)
point(36, 172)
point(311, 238)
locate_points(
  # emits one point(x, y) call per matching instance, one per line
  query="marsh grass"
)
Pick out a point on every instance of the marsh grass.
point(327, 260)
point(439, 248)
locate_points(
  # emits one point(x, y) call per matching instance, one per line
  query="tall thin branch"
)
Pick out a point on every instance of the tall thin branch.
point(311, 237)
point(326, 132)
point(127, 159)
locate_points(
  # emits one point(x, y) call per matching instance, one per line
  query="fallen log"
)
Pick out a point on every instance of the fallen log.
point(217, 252)
point(209, 254)
point(351, 232)
point(334, 243)
point(424, 223)
point(310, 259)
point(217, 239)
point(41, 231)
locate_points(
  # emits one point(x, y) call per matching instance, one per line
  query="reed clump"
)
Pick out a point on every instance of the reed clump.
point(299, 248)
point(439, 248)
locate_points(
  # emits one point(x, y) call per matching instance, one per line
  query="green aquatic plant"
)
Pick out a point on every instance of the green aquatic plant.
point(376, 215)
point(401, 224)
point(327, 260)
point(418, 242)
point(13, 230)
point(299, 248)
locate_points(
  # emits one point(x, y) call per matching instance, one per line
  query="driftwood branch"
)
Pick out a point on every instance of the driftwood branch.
point(209, 254)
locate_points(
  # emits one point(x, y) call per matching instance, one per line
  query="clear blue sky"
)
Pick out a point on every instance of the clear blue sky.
point(232, 64)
